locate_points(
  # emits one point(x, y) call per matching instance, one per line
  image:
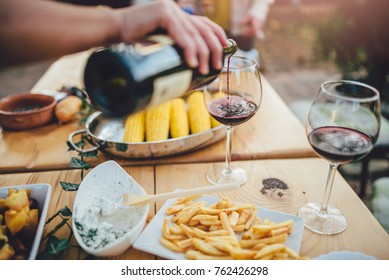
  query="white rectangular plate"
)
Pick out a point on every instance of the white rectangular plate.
point(148, 241)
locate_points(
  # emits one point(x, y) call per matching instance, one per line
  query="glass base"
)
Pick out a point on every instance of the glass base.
point(332, 222)
point(219, 175)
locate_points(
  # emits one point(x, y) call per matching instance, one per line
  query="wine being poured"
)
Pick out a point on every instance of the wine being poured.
point(231, 110)
point(232, 99)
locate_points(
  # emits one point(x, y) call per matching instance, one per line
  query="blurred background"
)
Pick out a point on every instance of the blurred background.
point(306, 42)
point(310, 41)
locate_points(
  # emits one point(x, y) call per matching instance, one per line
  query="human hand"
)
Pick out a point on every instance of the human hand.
point(198, 36)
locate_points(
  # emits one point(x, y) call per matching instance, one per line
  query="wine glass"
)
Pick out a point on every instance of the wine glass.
point(232, 99)
point(343, 125)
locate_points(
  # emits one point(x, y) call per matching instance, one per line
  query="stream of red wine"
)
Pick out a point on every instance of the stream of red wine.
point(228, 79)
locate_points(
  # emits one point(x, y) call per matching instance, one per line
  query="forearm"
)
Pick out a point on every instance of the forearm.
point(33, 30)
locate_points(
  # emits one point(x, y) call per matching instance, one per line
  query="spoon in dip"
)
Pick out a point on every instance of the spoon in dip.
point(133, 199)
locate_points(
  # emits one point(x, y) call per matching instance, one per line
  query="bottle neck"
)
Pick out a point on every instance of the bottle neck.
point(230, 49)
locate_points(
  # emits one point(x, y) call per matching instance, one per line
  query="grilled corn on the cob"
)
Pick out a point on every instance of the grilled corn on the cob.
point(134, 127)
point(199, 118)
point(157, 122)
point(179, 124)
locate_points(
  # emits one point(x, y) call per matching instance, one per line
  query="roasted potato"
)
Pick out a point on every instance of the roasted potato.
point(15, 220)
point(17, 199)
point(67, 109)
point(19, 218)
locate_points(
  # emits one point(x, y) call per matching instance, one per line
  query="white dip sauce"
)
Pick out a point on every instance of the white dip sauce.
point(102, 219)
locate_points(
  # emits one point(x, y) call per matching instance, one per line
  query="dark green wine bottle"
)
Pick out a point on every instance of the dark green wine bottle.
point(126, 78)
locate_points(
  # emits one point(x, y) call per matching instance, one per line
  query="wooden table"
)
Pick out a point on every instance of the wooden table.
point(271, 144)
point(305, 179)
point(274, 132)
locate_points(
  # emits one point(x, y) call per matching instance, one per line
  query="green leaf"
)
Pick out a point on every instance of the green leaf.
point(81, 143)
point(54, 245)
point(66, 186)
point(78, 163)
point(52, 217)
point(66, 212)
point(70, 146)
point(87, 106)
point(121, 147)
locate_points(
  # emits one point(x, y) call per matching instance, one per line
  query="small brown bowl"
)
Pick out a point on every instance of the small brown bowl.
point(25, 110)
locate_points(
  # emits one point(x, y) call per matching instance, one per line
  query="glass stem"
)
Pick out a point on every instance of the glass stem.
point(228, 149)
point(328, 189)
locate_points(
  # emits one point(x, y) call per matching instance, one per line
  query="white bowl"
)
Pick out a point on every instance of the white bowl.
point(41, 193)
point(98, 206)
point(344, 255)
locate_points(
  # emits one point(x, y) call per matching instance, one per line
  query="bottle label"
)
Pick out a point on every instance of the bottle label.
point(162, 39)
point(152, 44)
point(170, 87)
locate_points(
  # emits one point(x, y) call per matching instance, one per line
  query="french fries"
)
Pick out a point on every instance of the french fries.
point(211, 232)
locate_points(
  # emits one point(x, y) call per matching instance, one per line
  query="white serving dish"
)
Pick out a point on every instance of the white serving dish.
point(106, 183)
point(41, 193)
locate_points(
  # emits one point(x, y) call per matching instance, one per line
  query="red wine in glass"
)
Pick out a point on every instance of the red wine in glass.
point(232, 99)
point(340, 145)
point(232, 109)
point(342, 126)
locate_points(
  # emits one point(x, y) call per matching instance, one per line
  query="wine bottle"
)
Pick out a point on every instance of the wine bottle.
point(126, 78)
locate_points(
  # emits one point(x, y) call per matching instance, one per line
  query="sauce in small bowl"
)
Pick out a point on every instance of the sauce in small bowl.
point(25, 111)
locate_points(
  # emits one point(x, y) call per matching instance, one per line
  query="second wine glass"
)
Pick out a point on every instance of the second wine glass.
point(232, 99)
point(343, 125)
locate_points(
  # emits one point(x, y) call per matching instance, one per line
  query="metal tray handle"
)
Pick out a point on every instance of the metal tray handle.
point(81, 131)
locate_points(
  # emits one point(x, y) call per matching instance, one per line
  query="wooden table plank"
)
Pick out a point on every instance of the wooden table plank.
point(305, 179)
point(274, 132)
point(60, 198)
